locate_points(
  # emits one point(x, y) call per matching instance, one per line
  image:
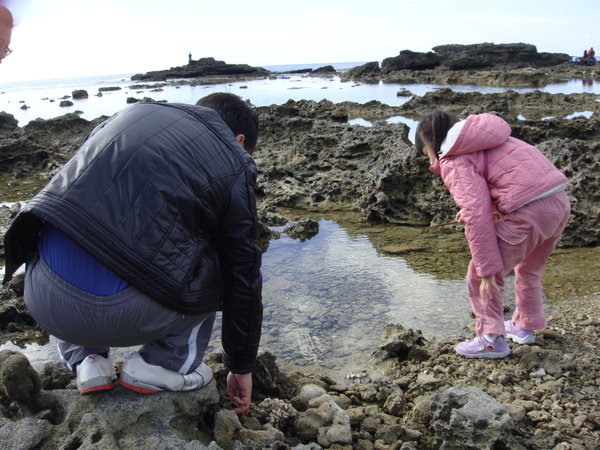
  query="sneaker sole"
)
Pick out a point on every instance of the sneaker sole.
point(526, 340)
point(139, 388)
point(97, 389)
point(490, 355)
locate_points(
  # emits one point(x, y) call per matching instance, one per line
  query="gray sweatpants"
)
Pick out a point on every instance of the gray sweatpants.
point(86, 323)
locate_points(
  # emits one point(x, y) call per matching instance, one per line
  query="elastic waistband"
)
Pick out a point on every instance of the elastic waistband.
point(42, 269)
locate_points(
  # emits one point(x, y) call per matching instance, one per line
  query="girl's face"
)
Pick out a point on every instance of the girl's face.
point(429, 151)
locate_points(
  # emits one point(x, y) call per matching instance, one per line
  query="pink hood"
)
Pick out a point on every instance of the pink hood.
point(480, 132)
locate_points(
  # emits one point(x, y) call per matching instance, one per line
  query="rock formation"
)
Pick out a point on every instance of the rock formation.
point(201, 68)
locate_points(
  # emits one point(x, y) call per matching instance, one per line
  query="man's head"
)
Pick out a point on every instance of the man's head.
point(6, 26)
point(237, 114)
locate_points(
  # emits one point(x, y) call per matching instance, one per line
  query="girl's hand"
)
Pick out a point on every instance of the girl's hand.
point(486, 285)
point(458, 218)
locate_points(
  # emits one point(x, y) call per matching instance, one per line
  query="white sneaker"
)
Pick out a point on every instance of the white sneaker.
point(95, 374)
point(144, 378)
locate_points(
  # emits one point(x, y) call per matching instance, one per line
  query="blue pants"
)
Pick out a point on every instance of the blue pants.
point(86, 323)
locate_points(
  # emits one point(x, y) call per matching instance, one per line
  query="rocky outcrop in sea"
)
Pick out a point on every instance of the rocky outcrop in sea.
point(202, 67)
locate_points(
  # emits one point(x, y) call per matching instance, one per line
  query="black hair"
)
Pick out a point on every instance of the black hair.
point(433, 129)
point(236, 113)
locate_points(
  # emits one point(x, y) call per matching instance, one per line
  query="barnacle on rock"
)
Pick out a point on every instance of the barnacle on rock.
point(277, 411)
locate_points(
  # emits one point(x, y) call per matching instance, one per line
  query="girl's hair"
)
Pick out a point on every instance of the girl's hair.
point(433, 129)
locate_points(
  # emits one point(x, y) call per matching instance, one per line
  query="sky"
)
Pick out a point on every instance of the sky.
point(72, 38)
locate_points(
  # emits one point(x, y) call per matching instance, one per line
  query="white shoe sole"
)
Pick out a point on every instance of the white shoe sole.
point(529, 339)
point(129, 382)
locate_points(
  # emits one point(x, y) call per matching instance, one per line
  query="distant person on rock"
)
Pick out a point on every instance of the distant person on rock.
point(6, 27)
point(591, 53)
point(585, 54)
point(514, 206)
point(190, 58)
point(142, 236)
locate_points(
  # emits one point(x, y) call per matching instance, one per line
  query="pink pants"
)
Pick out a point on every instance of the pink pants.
point(526, 238)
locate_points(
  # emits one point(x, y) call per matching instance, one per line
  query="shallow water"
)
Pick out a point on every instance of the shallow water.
point(327, 298)
point(43, 98)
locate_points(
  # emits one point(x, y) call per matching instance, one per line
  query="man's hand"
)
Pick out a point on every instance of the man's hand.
point(458, 218)
point(486, 285)
point(239, 387)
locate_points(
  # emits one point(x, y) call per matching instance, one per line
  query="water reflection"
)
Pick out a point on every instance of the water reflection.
point(328, 298)
point(412, 124)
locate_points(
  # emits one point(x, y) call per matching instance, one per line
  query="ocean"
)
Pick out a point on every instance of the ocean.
point(29, 100)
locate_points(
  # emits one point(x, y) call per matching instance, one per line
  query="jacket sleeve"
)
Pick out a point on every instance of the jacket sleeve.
point(241, 261)
point(470, 191)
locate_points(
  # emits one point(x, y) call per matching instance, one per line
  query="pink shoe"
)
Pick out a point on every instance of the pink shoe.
point(518, 334)
point(480, 347)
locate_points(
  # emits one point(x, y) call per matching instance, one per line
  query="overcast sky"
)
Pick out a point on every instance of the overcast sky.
point(68, 38)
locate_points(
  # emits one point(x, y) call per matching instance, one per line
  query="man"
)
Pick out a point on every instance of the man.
point(6, 27)
point(148, 230)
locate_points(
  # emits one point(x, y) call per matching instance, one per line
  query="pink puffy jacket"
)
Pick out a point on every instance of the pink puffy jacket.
point(485, 169)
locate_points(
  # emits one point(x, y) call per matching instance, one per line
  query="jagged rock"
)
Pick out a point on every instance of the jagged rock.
point(18, 380)
point(302, 229)
point(468, 418)
point(8, 121)
point(229, 429)
point(409, 60)
point(310, 392)
point(325, 70)
point(465, 57)
point(79, 94)
point(365, 70)
point(399, 344)
point(324, 422)
point(475, 56)
point(56, 376)
point(119, 419)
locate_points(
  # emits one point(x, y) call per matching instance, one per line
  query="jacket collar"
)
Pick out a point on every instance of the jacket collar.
point(435, 168)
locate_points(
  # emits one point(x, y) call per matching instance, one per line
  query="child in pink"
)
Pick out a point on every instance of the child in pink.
point(514, 205)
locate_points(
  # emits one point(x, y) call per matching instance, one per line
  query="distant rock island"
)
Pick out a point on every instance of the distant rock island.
point(201, 68)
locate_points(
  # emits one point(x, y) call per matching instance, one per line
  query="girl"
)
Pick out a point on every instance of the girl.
point(514, 206)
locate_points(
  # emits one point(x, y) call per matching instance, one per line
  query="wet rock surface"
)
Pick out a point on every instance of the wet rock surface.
point(415, 394)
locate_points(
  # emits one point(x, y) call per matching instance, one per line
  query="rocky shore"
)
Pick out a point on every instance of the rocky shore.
point(413, 393)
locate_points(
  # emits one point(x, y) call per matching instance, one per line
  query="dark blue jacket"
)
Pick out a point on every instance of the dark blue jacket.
point(162, 195)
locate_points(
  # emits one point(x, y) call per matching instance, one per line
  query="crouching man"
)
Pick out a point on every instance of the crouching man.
point(142, 236)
